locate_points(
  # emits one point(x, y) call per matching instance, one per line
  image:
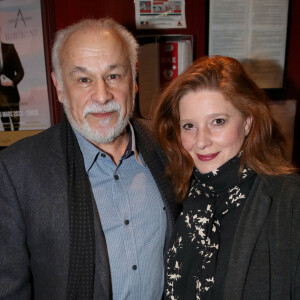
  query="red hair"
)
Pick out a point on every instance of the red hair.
point(263, 148)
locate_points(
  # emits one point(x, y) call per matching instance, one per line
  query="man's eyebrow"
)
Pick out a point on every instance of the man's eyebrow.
point(78, 69)
point(115, 66)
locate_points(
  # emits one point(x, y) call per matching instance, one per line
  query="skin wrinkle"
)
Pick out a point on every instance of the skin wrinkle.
point(212, 129)
point(98, 73)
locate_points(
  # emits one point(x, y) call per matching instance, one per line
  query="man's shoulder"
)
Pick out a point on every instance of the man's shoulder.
point(141, 125)
point(142, 131)
point(43, 142)
point(146, 142)
point(7, 45)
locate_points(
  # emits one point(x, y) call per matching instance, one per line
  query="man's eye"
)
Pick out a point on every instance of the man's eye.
point(218, 122)
point(113, 76)
point(84, 80)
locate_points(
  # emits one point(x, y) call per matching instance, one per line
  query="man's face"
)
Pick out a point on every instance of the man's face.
point(98, 88)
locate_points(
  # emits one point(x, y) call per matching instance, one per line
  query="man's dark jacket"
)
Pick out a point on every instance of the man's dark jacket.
point(34, 223)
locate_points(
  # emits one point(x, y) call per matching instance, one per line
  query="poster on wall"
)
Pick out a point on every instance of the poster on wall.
point(24, 101)
point(255, 33)
point(160, 14)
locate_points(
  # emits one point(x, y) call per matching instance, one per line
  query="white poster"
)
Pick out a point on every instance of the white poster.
point(160, 14)
point(23, 82)
point(254, 32)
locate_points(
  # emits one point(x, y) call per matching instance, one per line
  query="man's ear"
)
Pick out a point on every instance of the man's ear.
point(58, 87)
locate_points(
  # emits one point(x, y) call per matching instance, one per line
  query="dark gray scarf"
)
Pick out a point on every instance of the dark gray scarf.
point(81, 219)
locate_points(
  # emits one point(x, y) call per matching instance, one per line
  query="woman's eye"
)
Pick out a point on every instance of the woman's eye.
point(218, 122)
point(188, 126)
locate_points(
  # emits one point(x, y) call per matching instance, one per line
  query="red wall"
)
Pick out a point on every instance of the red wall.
point(69, 11)
point(123, 12)
point(292, 72)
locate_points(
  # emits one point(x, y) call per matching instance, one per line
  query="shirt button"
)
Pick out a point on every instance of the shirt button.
point(126, 222)
point(134, 267)
point(116, 177)
point(103, 155)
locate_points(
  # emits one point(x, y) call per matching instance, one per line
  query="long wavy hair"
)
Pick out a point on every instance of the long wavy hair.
point(263, 148)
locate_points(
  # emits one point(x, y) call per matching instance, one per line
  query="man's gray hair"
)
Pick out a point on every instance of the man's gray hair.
point(106, 23)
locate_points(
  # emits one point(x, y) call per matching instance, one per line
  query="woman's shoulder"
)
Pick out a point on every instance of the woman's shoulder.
point(287, 185)
point(283, 179)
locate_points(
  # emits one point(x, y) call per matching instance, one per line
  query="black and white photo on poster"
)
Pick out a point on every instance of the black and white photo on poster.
point(24, 101)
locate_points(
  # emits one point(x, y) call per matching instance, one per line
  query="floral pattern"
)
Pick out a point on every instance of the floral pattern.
point(191, 259)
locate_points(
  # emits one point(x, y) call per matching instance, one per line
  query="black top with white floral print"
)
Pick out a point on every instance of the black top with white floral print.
point(192, 260)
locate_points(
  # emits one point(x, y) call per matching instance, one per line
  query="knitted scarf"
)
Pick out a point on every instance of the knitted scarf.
point(81, 219)
point(191, 261)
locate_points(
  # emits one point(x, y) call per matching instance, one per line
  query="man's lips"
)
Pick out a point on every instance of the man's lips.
point(207, 157)
point(102, 115)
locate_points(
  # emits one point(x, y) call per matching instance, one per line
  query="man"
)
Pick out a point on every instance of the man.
point(86, 212)
point(11, 73)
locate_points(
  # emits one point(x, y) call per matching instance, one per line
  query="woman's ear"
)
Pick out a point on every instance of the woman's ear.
point(248, 125)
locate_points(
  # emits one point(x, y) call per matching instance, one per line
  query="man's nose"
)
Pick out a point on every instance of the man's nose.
point(101, 92)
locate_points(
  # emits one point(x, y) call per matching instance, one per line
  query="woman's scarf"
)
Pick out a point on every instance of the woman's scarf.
point(191, 260)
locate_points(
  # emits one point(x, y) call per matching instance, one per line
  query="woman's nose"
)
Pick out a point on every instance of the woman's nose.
point(203, 138)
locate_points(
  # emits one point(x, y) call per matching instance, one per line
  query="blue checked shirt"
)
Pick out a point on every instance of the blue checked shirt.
point(133, 220)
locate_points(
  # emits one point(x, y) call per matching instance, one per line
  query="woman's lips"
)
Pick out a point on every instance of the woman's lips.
point(207, 157)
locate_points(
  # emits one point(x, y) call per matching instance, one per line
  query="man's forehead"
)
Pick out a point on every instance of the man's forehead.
point(93, 42)
point(93, 37)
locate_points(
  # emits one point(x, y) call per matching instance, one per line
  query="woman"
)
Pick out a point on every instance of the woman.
point(238, 236)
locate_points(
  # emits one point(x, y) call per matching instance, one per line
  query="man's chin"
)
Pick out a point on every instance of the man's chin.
point(99, 135)
point(102, 134)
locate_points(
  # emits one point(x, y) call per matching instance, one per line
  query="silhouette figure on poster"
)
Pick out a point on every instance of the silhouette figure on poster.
point(11, 73)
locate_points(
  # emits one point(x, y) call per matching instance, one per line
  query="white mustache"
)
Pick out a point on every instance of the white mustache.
point(95, 107)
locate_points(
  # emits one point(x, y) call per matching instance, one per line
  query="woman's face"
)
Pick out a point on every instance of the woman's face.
point(212, 130)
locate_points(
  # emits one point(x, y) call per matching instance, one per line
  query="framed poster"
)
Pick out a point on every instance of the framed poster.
point(255, 33)
point(25, 99)
point(160, 14)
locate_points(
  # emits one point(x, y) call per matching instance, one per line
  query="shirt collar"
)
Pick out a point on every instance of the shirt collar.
point(90, 152)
